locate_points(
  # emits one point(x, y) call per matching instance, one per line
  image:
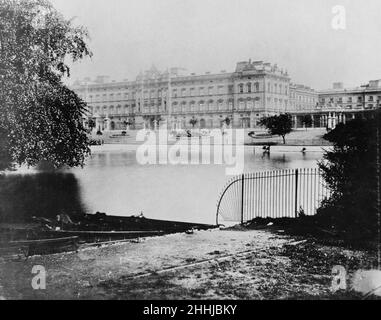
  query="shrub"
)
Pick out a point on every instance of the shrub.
point(350, 171)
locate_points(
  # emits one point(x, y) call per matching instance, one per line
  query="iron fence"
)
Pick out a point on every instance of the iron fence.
point(272, 194)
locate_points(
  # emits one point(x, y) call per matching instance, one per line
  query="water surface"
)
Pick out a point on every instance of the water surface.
point(113, 182)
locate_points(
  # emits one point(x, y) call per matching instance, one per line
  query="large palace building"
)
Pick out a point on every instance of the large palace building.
point(238, 99)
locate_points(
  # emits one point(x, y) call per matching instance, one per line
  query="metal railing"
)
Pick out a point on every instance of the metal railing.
point(272, 194)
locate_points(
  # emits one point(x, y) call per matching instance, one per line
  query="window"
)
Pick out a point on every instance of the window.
point(210, 105)
point(240, 88)
point(175, 93)
point(220, 105)
point(192, 92)
point(250, 105)
point(201, 91)
point(370, 99)
point(256, 87)
point(241, 105)
point(249, 87)
point(231, 89)
point(183, 92)
point(210, 91)
point(220, 90)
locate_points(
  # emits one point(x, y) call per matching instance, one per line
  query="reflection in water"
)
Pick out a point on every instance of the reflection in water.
point(41, 194)
point(113, 182)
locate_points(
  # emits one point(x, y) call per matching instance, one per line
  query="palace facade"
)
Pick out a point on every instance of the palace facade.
point(237, 99)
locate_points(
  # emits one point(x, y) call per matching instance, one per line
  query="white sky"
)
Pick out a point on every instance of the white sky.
point(212, 35)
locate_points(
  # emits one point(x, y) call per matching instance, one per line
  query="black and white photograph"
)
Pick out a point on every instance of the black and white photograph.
point(211, 152)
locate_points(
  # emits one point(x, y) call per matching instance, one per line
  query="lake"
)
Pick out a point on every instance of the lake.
point(115, 183)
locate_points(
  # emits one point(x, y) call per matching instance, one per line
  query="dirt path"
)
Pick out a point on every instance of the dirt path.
point(235, 265)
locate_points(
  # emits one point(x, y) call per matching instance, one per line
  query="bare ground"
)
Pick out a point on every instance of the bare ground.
point(234, 264)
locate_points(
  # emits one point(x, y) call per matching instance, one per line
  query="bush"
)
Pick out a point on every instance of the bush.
point(350, 171)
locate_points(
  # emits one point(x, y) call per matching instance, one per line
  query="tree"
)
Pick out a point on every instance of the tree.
point(227, 121)
point(350, 172)
point(307, 121)
point(91, 124)
point(40, 118)
point(193, 122)
point(159, 119)
point(278, 125)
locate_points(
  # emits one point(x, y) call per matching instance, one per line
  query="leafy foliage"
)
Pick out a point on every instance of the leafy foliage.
point(193, 122)
point(40, 118)
point(91, 124)
point(279, 125)
point(307, 120)
point(227, 121)
point(350, 171)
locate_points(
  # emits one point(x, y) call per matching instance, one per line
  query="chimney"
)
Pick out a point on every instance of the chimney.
point(338, 85)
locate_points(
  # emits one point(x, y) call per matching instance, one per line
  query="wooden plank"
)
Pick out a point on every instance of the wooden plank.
point(108, 233)
point(42, 241)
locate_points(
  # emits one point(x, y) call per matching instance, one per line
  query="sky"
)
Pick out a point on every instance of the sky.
point(128, 36)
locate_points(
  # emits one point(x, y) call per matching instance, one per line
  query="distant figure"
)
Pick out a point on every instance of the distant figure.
point(304, 150)
point(266, 150)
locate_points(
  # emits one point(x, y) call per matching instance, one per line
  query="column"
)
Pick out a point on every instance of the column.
point(329, 120)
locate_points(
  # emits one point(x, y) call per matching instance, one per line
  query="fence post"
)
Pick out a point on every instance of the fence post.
point(296, 191)
point(242, 198)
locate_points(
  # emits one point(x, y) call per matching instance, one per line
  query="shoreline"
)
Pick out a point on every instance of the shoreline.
point(274, 148)
point(217, 264)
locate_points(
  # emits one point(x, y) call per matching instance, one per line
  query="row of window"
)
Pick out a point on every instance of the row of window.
point(358, 99)
point(306, 99)
point(184, 92)
point(183, 107)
